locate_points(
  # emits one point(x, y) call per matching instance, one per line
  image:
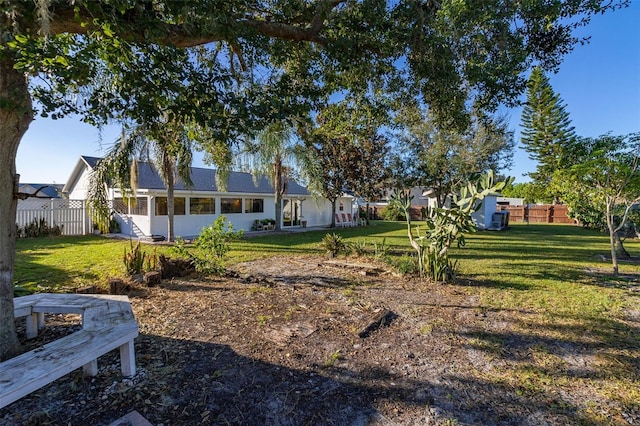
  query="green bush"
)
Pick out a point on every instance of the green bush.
point(359, 247)
point(39, 228)
point(405, 264)
point(209, 249)
point(19, 290)
point(393, 212)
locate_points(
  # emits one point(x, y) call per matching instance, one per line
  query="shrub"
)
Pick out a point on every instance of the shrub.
point(359, 247)
point(333, 244)
point(19, 290)
point(209, 249)
point(39, 228)
point(393, 212)
point(446, 226)
point(406, 264)
point(380, 249)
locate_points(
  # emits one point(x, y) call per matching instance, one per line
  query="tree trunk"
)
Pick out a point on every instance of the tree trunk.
point(15, 116)
point(367, 215)
point(333, 213)
point(621, 252)
point(279, 190)
point(169, 170)
point(278, 199)
point(612, 239)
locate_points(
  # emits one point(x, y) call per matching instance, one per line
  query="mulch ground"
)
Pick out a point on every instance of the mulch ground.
point(309, 341)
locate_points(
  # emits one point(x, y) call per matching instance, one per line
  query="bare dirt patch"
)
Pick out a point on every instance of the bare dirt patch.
point(307, 341)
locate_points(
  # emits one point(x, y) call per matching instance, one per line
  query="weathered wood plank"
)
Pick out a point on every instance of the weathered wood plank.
point(30, 371)
point(108, 324)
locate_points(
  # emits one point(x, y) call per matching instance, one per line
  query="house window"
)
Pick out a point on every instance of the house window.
point(231, 205)
point(254, 205)
point(202, 205)
point(178, 206)
point(129, 206)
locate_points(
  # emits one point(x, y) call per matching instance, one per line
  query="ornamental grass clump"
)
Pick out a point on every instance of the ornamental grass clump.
point(333, 244)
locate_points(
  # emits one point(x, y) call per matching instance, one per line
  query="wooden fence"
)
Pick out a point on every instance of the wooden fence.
point(70, 215)
point(538, 213)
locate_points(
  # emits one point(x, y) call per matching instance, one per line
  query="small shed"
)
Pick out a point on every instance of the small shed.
point(483, 216)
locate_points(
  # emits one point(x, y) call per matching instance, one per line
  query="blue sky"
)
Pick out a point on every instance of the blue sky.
point(599, 83)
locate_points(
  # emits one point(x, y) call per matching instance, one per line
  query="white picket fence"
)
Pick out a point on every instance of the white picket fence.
point(71, 215)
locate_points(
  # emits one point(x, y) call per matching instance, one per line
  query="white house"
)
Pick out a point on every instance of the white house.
point(242, 203)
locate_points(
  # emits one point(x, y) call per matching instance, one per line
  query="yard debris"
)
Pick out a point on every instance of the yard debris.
point(283, 334)
point(152, 278)
point(381, 317)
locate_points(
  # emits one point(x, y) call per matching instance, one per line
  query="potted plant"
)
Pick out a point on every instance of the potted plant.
point(269, 223)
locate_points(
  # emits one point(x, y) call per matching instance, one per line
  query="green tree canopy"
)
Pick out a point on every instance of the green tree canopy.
point(547, 134)
point(441, 159)
point(605, 180)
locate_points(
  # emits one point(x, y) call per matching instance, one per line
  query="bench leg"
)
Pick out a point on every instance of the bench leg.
point(32, 326)
point(40, 320)
point(128, 359)
point(91, 368)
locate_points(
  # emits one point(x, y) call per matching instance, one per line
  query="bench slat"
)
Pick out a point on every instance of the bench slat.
point(107, 324)
point(30, 371)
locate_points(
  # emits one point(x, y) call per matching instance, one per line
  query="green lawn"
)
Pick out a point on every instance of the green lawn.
point(50, 264)
point(548, 268)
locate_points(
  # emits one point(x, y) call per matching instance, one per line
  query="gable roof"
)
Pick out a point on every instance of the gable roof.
point(203, 180)
point(41, 190)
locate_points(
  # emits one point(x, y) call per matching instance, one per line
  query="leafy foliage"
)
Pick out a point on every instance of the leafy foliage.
point(530, 192)
point(273, 153)
point(604, 183)
point(39, 228)
point(349, 152)
point(441, 159)
point(210, 247)
point(19, 290)
point(393, 212)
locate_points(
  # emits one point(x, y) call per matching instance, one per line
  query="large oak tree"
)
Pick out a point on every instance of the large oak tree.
point(297, 51)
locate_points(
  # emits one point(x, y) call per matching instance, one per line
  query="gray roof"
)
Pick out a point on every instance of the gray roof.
point(205, 180)
point(43, 190)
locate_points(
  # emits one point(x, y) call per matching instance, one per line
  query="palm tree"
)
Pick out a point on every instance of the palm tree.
point(272, 153)
point(165, 144)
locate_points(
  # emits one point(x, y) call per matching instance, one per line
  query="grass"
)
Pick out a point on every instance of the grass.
point(52, 264)
point(542, 259)
point(545, 268)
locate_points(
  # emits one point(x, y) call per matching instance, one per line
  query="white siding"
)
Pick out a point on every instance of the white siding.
point(81, 187)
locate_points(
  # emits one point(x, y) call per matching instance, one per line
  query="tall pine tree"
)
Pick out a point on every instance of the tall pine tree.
point(547, 133)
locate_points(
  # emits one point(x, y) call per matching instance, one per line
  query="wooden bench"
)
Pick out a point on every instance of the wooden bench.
point(107, 323)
